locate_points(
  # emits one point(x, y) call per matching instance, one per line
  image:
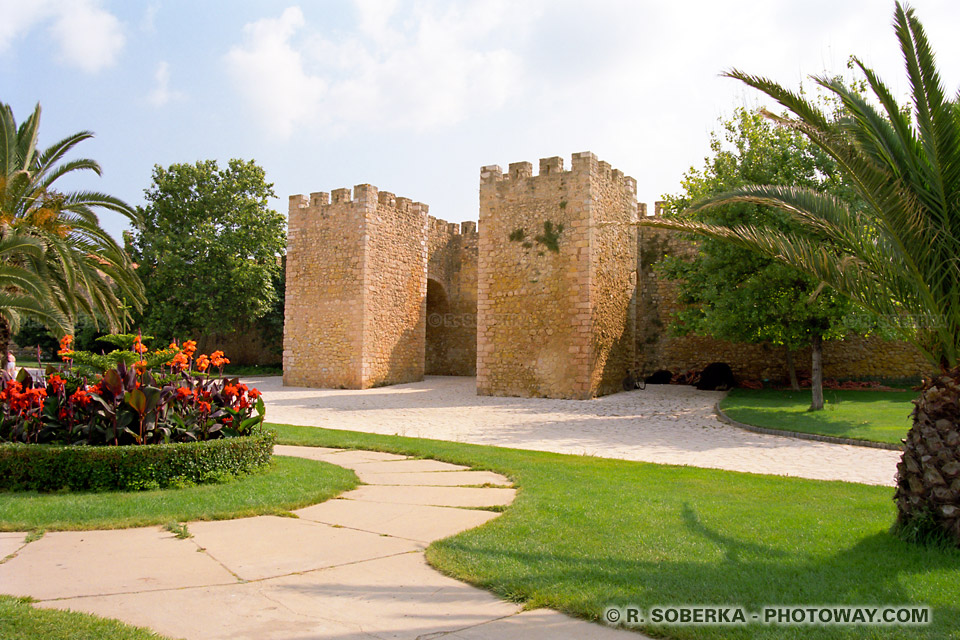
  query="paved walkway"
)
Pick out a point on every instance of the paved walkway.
point(345, 569)
point(666, 424)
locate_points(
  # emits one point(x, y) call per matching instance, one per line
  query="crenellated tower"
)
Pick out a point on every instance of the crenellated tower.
point(557, 279)
point(356, 283)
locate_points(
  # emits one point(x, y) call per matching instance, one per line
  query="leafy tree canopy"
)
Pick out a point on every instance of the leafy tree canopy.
point(737, 294)
point(209, 249)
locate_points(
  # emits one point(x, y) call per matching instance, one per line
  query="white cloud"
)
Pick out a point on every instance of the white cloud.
point(87, 36)
point(269, 72)
point(426, 67)
point(161, 93)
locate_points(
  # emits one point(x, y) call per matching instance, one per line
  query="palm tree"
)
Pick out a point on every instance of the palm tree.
point(898, 254)
point(83, 268)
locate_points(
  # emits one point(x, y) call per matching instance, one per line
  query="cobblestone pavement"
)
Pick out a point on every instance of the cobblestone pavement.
point(663, 424)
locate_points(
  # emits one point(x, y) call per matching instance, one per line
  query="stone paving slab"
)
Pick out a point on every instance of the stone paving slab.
point(74, 563)
point(11, 541)
point(354, 456)
point(433, 496)
point(269, 546)
point(665, 424)
point(311, 453)
point(397, 597)
point(434, 479)
point(542, 624)
point(409, 521)
point(408, 466)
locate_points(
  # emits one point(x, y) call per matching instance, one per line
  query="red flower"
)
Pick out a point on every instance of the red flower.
point(56, 383)
point(65, 351)
point(254, 394)
point(204, 407)
point(231, 391)
point(183, 393)
point(80, 397)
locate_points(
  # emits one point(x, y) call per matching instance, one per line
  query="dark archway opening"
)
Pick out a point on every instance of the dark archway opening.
point(439, 321)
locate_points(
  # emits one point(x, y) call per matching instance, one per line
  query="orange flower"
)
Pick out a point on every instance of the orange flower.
point(65, 351)
point(190, 347)
point(204, 407)
point(203, 362)
point(56, 383)
point(138, 345)
point(179, 362)
point(140, 366)
point(217, 359)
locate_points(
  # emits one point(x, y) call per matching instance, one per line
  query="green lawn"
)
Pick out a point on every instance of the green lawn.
point(881, 416)
point(290, 483)
point(20, 621)
point(585, 533)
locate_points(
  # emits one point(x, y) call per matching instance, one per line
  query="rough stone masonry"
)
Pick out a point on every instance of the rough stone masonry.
point(553, 295)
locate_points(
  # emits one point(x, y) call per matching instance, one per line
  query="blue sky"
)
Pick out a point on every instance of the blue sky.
point(414, 97)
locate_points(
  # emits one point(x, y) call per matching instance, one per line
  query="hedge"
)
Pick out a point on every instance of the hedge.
point(42, 467)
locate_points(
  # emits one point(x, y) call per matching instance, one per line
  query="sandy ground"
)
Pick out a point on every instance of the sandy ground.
point(662, 424)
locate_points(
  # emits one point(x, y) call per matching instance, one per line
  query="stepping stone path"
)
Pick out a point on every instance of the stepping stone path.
point(351, 568)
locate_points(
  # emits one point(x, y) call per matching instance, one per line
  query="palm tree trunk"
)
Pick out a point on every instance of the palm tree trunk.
point(5, 339)
point(792, 371)
point(816, 366)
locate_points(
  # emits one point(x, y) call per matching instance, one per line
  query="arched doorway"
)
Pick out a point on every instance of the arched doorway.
point(439, 321)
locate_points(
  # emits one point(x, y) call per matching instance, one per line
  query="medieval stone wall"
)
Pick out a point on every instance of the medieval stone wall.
point(552, 311)
point(451, 305)
point(855, 357)
point(356, 280)
point(554, 294)
point(395, 285)
point(323, 314)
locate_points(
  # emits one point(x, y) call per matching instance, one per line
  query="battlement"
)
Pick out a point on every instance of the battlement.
point(584, 162)
point(439, 226)
point(361, 194)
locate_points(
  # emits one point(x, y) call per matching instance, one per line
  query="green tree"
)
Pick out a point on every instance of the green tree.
point(896, 255)
point(208, 248)
point(82, 268)
point(735, 294)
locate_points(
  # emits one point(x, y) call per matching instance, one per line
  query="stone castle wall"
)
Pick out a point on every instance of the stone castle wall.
point(554, 294)
point(451, 305)
point(855, 357)
point(323, 314)
point(552, 311)
point(362, 272)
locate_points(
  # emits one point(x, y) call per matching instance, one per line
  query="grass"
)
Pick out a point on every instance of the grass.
point(290, 483)
point(880, 416)
point(252, 370)
point(586, 533)
point(20, 621)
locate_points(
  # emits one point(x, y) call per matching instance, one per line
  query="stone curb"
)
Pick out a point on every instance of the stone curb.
point(722, 417)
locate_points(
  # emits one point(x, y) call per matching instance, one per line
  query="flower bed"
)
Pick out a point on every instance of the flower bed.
point(130, 396)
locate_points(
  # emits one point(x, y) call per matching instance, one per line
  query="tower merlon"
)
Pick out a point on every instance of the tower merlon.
point(365, 193)
point(340, 195)
point(520, 170)
point(491, 173)
point(551, 165)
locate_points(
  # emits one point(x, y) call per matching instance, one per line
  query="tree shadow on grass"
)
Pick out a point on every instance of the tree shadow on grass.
point(877, 570)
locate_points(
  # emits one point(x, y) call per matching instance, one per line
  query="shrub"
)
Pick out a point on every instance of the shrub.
point(53, 467)
point(136, 397)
